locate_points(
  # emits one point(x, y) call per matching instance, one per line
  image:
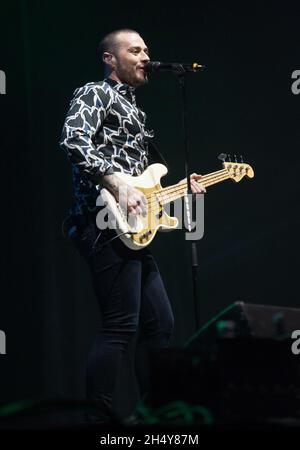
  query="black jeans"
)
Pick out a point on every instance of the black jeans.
point(132, 298)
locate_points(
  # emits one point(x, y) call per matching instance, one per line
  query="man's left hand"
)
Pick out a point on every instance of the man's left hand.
point(197, 188)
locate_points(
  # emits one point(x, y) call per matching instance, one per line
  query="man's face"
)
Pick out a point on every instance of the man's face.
point(130, 57)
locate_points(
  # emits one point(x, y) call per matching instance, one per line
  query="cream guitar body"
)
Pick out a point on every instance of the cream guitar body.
point(138, 231)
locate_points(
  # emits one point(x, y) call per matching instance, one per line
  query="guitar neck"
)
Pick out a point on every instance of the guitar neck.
point(171, 193)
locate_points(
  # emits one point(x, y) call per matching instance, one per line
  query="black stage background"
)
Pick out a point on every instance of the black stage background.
point(242, 104)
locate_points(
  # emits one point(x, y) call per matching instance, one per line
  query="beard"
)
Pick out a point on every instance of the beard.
point(132, 76)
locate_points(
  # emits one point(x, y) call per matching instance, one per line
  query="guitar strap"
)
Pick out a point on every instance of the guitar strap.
point(155, 155)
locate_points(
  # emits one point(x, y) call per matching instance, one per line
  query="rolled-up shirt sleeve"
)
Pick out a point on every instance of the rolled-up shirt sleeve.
point(88, 109)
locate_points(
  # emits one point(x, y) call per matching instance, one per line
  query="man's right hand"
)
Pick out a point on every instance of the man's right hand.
point(128, 197)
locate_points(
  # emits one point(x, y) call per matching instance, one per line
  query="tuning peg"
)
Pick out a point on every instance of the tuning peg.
point(242, 161)
point(235, 158)
point(222, 156)
point(229, 158)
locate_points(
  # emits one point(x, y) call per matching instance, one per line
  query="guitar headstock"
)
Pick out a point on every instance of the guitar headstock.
point(236, 170)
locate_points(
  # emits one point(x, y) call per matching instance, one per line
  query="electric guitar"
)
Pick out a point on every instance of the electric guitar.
point(137, 231)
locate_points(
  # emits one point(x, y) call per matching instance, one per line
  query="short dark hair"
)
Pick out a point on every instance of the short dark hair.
point(109, 43)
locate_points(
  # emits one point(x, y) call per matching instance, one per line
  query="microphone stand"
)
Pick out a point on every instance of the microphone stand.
point(194, 254)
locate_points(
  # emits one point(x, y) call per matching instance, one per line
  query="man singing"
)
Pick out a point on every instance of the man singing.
point(105, 133)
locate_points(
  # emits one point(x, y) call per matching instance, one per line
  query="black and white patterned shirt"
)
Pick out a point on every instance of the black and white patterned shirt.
point(104, 132)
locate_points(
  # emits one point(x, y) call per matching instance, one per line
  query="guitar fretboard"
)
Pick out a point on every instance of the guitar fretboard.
point(172, 193)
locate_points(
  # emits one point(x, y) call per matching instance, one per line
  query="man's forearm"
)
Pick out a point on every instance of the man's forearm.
point(131, 198)
point(113, 183)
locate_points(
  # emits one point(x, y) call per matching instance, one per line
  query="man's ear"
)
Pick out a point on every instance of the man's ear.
point(109, 59)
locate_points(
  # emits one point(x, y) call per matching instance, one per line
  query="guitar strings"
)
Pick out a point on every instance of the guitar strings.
point(184, 185)
point(156, 204)
point(165, 193)
point(206, 180)
point(174, 194)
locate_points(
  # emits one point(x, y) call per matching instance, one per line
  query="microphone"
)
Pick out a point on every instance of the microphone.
point(157, 66)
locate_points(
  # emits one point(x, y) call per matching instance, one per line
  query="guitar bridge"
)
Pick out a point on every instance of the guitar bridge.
point(145, 235)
